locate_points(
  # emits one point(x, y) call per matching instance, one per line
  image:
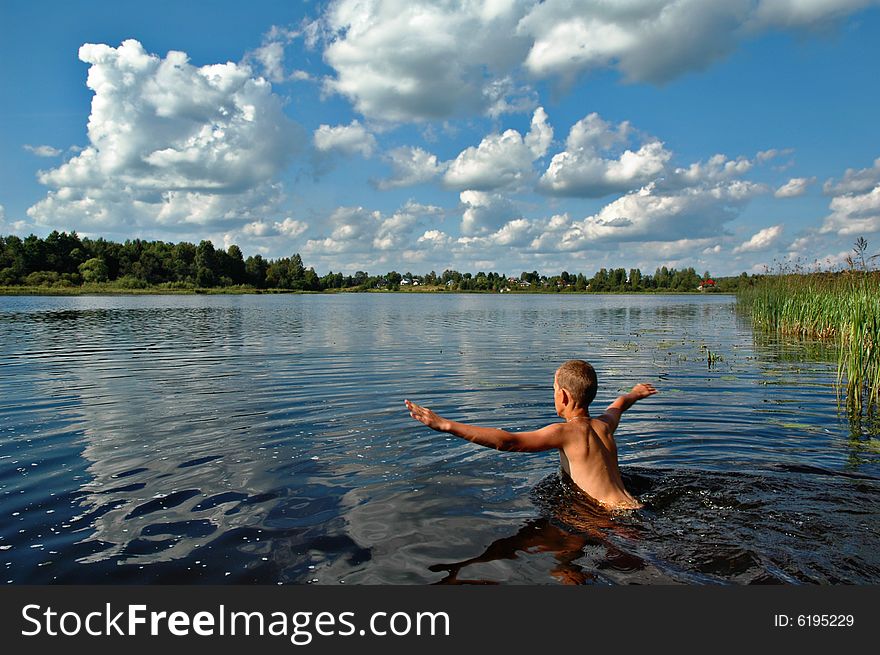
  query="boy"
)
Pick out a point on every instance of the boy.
point(587, 451)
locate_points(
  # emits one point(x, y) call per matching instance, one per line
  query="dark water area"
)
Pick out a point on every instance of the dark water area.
point(263, 439)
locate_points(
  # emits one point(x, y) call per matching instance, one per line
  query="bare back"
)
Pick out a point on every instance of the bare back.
point(589, 457)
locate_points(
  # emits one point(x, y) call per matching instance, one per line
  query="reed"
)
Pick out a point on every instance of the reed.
point(842, 307)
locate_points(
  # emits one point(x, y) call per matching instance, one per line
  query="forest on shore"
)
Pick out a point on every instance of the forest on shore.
point(64, 261)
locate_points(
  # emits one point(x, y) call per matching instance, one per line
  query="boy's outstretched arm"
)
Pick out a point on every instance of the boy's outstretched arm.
point(624, 402)
point(546, 438)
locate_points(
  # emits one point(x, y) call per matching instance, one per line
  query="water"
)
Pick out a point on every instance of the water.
point(263, 439)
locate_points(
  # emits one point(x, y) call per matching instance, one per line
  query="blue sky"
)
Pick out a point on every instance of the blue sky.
point(505, 135)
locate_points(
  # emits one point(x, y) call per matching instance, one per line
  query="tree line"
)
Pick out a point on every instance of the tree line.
point(66, 260)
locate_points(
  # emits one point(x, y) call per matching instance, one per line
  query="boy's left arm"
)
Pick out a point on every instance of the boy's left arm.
point(547, 438)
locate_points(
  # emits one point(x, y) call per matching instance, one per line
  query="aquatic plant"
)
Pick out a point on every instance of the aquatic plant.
point(838, 306)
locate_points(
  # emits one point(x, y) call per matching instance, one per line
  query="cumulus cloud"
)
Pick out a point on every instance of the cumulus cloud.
point(361, 231)
point(410, 166)
point(585, 170)
point(678, 249)
point(485, 212)
point(435, 239)
point(855, 207)
point(656, 214)
point(501, 160)
point(288, 227)
point(655, 41)
point(854, 180)
point(796, 186)
point(269, 57)
point(43, 151)
point(797, 13)
point(647, 40)
point(512, 235)
point(170, 144)
point(419, 60)
point(761, 240)
point(854, 214)
point(349, 139)
point(718, 168)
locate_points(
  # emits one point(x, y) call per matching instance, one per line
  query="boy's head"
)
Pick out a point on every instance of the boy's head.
point(577, 379)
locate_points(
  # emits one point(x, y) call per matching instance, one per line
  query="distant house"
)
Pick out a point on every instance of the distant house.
point(525, 285)
point(415, 283)
point(706, 284)
point(405, 282)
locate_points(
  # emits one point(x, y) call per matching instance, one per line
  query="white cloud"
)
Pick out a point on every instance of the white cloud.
point(854, 214)
point(43, 151)
point(504, 96)
point(501, 159)
point(582, 170)
point(171, 145)
point(855, 180)
point(655, 214)
point(800, 13)
point(676, 249)
point(435, 239)
point(407, 60)
point(411, 166)
point(291, 228)
point(718, 168)
point(647, 40)
point(288, 227)
point(657, 40)
point(796, 186)
point(360, 231)
point(350, 139)
point(855, 207)
point(485, 212)
point(540, 134)
point(416, 60)
point(761, 240)
point(801, 243)
point(514, 233)
point(270, 55)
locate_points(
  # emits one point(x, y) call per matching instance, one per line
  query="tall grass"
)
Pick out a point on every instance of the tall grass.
point(841, 307)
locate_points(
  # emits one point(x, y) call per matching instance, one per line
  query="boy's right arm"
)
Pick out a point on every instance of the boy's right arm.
point(622, 403)
point(547, 438)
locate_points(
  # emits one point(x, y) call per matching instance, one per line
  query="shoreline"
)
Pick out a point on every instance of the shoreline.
point(239, 291)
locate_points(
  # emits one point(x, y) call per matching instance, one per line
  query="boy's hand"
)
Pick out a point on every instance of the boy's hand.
point(643, 390)
point(427, 417)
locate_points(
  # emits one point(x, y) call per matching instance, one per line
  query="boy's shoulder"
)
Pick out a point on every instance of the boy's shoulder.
point(605, 423)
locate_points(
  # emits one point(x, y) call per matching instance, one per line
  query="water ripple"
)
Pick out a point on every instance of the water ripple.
point(263, 439)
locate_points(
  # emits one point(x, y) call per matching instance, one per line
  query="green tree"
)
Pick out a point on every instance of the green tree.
point(94, 270)
point(255, 268)
point(206, 264)
point(235, 268)
point(635, 279)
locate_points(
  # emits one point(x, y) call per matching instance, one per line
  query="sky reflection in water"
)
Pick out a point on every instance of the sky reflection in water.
point(263, 439)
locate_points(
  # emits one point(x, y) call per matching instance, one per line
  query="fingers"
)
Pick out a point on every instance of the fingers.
point(417, 412)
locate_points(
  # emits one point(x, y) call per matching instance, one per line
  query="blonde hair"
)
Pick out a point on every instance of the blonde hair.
point(579, 379)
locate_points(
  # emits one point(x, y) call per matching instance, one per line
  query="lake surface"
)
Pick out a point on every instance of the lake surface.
point(263, 439)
